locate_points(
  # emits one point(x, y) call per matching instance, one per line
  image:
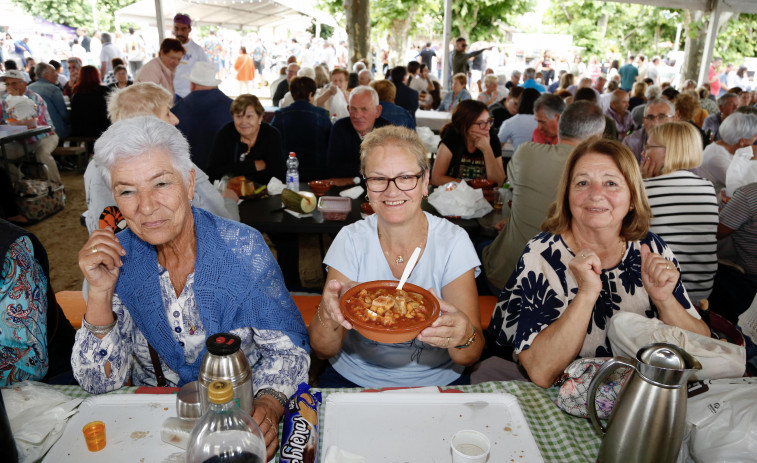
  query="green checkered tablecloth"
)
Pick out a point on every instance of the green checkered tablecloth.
point(560, 437)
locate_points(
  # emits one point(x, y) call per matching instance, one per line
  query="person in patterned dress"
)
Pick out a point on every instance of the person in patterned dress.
point(594, 258)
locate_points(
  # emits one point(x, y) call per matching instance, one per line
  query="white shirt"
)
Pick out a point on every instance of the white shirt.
point(194, 53)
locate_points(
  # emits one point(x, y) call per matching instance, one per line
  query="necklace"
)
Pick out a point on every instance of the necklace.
point(399, 259)
point(622, 245)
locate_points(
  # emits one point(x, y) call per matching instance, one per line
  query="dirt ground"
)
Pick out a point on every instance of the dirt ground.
point(63, 236)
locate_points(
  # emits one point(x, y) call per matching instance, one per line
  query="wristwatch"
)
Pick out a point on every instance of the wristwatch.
point(470, 341)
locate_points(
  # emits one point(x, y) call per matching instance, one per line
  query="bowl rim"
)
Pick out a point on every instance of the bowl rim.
point(363, 327)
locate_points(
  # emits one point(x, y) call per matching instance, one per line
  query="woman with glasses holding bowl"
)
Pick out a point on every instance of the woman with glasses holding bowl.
point(467, 149)
point(394, 165)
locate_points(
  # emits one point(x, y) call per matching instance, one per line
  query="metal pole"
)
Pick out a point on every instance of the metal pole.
point(446, 65)
point(709, 44)
point(159, 17)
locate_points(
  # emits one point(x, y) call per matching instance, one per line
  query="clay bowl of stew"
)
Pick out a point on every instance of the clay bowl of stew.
point(380, 315)
point(320, 187)
point(487, 187)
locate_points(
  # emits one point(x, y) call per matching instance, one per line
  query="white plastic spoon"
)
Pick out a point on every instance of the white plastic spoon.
point(409, 267)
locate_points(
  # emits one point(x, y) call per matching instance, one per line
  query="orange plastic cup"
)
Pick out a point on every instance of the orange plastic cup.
point(94, 435)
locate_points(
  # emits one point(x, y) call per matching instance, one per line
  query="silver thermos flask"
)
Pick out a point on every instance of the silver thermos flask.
point(225, 360)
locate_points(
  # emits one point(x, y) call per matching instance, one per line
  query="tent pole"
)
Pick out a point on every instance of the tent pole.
point(159, 18)
point(446, 64)
point(709, 43)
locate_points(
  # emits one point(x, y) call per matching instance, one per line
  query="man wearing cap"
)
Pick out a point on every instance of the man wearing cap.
point(203, 112)
point(43, 144)
point(193, 53)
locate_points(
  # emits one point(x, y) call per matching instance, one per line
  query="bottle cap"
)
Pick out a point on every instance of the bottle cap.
point(220, 392)
point(292, 154)
point(223, 344)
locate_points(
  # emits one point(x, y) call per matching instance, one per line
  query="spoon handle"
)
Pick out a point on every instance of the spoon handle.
point(409, 267)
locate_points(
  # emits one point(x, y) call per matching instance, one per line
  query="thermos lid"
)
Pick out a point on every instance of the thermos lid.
point(223, 344)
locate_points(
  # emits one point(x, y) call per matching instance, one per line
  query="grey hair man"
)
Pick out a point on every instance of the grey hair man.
point(657, 111)
point(727, 104)
point(364, 77)
point(547, 111)
point(514, 80)
point(108, 52)
point(343, 156)
point(534, 173)
point(46, 86)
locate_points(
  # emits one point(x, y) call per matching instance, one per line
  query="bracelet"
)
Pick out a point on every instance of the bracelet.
point(281, 398)
point(318, 314)
point(470, 341)
point(99, 329)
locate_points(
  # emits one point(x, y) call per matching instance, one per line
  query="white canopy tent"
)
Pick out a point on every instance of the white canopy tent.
point(233, 14)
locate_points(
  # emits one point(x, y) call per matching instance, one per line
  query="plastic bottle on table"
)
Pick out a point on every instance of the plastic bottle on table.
point(225, 434)
point(293, 174)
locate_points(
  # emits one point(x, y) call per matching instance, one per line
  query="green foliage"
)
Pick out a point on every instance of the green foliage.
point(75, 13)
point(736, 39)
point(481, 19)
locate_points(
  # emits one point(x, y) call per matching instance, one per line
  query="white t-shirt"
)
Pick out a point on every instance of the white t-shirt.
point(356, 253)
point(108, 52)
point(194, 53)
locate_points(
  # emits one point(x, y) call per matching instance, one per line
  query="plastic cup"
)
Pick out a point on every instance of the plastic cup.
point(94, 435)
point(469, 446)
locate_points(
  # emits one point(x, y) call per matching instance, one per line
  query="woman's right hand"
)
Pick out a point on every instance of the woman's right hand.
point(100, 260)
point(586, 268)
point(330, 313)
point(648, 167)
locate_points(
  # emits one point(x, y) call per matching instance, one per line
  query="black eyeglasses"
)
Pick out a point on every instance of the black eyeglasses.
point(402, 182)
point(483, 125)
point(659, 117)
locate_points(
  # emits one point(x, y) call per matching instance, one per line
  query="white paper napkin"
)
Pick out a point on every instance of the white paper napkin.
point(336, 455)
point(298, 214)
point(355, 192)
point(275, 187)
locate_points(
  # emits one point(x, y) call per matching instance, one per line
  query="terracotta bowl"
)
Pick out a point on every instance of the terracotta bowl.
point(481, 183)
point(366, 208)
point(383, 334)
point(320, 187)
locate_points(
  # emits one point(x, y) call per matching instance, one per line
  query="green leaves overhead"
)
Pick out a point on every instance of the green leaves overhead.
point(75, 13)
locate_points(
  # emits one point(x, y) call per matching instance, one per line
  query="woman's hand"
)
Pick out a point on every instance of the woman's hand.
point(100, 260)
point(659, 275)
point(586, 268)
point(499, 226)
point(482, 142)
point(452, 328)
point(267, 412)
point(259, 165)
point(329, 311)
point(648, 167)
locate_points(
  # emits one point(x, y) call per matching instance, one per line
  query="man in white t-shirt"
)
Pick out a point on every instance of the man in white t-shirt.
point(182, 27)
point(107, 53)
point(136, 53)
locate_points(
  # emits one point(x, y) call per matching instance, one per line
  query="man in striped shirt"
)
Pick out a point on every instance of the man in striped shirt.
point(738, 219)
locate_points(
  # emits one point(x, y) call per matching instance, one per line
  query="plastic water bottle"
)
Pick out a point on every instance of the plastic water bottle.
point(225, 434)
point(293, 175)
point(334, 118)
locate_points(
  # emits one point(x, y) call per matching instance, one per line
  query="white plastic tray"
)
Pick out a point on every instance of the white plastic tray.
point(132, 429)
point(417, 427)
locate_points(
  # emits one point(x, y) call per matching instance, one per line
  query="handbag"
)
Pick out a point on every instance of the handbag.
point(574, 387)
point(39, 198)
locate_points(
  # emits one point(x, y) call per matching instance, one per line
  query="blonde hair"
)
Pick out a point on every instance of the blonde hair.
point(391, 135)
point(683, 145)
point(462, 78)
point(636, 222)
point(140, 99)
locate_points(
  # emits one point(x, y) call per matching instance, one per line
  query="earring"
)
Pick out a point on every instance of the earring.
point(367, 198)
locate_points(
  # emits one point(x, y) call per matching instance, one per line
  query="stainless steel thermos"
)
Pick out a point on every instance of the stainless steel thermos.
point(225, 360)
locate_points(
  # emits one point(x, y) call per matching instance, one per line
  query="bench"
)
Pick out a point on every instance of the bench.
point(73, 305)
point(78, 148)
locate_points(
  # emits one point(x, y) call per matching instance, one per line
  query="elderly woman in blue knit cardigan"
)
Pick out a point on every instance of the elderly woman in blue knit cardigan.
point(177, 275)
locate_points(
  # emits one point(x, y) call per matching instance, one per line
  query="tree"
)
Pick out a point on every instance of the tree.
point(75, 13)
point(482, 19)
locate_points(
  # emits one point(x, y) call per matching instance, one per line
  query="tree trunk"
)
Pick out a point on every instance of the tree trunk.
point(358, 19)
point(398, 39)
point(602, 25)
point(695, 32)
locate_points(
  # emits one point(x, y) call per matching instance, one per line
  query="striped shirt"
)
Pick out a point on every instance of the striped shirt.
point(740, 214)
point(685, 216)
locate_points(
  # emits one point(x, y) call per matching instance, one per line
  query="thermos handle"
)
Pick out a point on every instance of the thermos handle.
point(607, 368)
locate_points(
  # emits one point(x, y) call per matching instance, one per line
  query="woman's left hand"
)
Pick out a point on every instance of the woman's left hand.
point(259, 165)
point(267, 412)
point(452, 328)
point(659, 275)
point(482, 142)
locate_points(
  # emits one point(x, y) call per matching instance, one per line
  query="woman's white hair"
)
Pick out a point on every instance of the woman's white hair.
point(136, 136)
point(738, 126)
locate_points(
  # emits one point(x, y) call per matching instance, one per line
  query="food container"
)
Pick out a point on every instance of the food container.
point(366, 208)
point(334, 207)
point(320, 187)
point(384, 334)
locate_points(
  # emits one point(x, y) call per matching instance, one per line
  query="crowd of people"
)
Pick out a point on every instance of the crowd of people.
point(620, 192)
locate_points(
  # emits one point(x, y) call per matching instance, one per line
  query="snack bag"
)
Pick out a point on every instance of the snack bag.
point(300, 438)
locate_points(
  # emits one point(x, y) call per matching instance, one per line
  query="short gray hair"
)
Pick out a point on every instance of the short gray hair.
point(738, 126)
point(658, 101)
point(133, 137)
point(516, 73)
point(358, 66)
point(42, 68)
point(725, 97)
point(360, 89)
point(306, 71)
point(491, 78)
point(551, 104)
point(581, 120)
point(653, 91)
point(105, 37)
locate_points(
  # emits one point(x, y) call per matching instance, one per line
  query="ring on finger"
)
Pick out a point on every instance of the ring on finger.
point(667, 266)
point(94, 249)
point(269, 421)
point(447, 343)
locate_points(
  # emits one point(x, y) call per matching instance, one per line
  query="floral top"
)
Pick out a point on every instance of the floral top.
point(274, 358)
point(23, 315)
point(542, 286)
